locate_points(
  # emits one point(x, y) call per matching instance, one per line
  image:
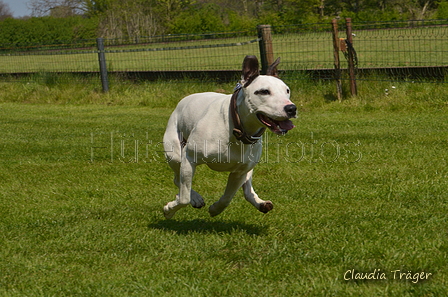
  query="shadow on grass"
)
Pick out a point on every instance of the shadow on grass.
point(330, 98)
point(206, 227)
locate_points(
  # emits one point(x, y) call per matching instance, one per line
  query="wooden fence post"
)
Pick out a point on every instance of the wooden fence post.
point(266, 49)
point(103, 67)
point(337, 63)
point(351, 61)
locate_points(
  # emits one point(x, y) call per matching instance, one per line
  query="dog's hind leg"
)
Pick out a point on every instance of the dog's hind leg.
point(174, 158)
point(183, 174)
point(196, 199)
point(234, 182)
point(175, 149)
point(183, 178)
point(252, 197)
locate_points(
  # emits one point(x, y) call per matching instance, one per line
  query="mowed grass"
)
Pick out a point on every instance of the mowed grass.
point(358, 185)
point(424, 46)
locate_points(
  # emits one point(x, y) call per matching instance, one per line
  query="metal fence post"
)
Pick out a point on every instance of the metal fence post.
point(337, 63)
point(103, 67)
point(351, 58)
point(266, 49)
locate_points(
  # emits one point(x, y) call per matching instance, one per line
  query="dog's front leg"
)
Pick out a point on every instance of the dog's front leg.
point(252, 197)
point(187, 170)
point(234, 182)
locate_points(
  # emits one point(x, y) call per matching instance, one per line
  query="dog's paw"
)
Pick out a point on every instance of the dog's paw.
point(266, 206)
point(167, 212)
point(214, 211)
point(197, 204)
point(196, 200)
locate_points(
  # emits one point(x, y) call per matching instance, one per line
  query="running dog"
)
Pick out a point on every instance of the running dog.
point(225, 132)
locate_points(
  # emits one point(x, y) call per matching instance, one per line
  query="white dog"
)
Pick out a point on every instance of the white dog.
point(225, 132)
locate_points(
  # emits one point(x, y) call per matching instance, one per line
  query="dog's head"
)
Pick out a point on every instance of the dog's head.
point(267, 96)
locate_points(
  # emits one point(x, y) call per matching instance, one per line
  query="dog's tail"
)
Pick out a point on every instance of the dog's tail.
point(173, 141)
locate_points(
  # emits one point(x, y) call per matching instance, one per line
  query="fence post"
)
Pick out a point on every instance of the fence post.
point(266, 49)
point(103, 67)
point(337, 63)
point(351, 61)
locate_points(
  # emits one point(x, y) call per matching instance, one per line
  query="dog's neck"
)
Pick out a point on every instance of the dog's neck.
point(247, 132)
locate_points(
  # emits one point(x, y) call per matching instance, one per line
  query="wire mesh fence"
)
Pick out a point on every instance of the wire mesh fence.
point(217, 54)
point(217, 51)
point(388, 50)
point(416, 50)
point(304, 47)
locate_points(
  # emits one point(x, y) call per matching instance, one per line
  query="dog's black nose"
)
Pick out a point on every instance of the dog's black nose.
point(291, 110)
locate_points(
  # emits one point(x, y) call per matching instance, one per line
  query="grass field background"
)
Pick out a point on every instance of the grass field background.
point(358, 185)
point(421, 46)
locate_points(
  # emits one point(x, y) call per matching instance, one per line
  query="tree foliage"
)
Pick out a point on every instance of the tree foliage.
point(45, 30)
point(58, 8)
point(5, 12)
point(127, 19)
point(78, 19)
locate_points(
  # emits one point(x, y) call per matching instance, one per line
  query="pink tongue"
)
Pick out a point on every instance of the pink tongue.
point(286, 125)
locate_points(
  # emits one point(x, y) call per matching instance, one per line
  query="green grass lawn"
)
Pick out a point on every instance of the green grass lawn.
point(359, 185)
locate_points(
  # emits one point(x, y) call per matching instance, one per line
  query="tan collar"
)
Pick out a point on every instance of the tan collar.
point(238, 129)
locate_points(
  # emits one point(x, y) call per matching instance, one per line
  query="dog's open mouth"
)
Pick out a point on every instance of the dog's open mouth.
point(278, 127)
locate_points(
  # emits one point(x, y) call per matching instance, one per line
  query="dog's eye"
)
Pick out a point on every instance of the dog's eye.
point(263, 92)
point(287, 91)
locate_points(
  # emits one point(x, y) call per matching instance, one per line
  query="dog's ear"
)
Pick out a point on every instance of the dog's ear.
point(272, 70)
point(250, 70)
